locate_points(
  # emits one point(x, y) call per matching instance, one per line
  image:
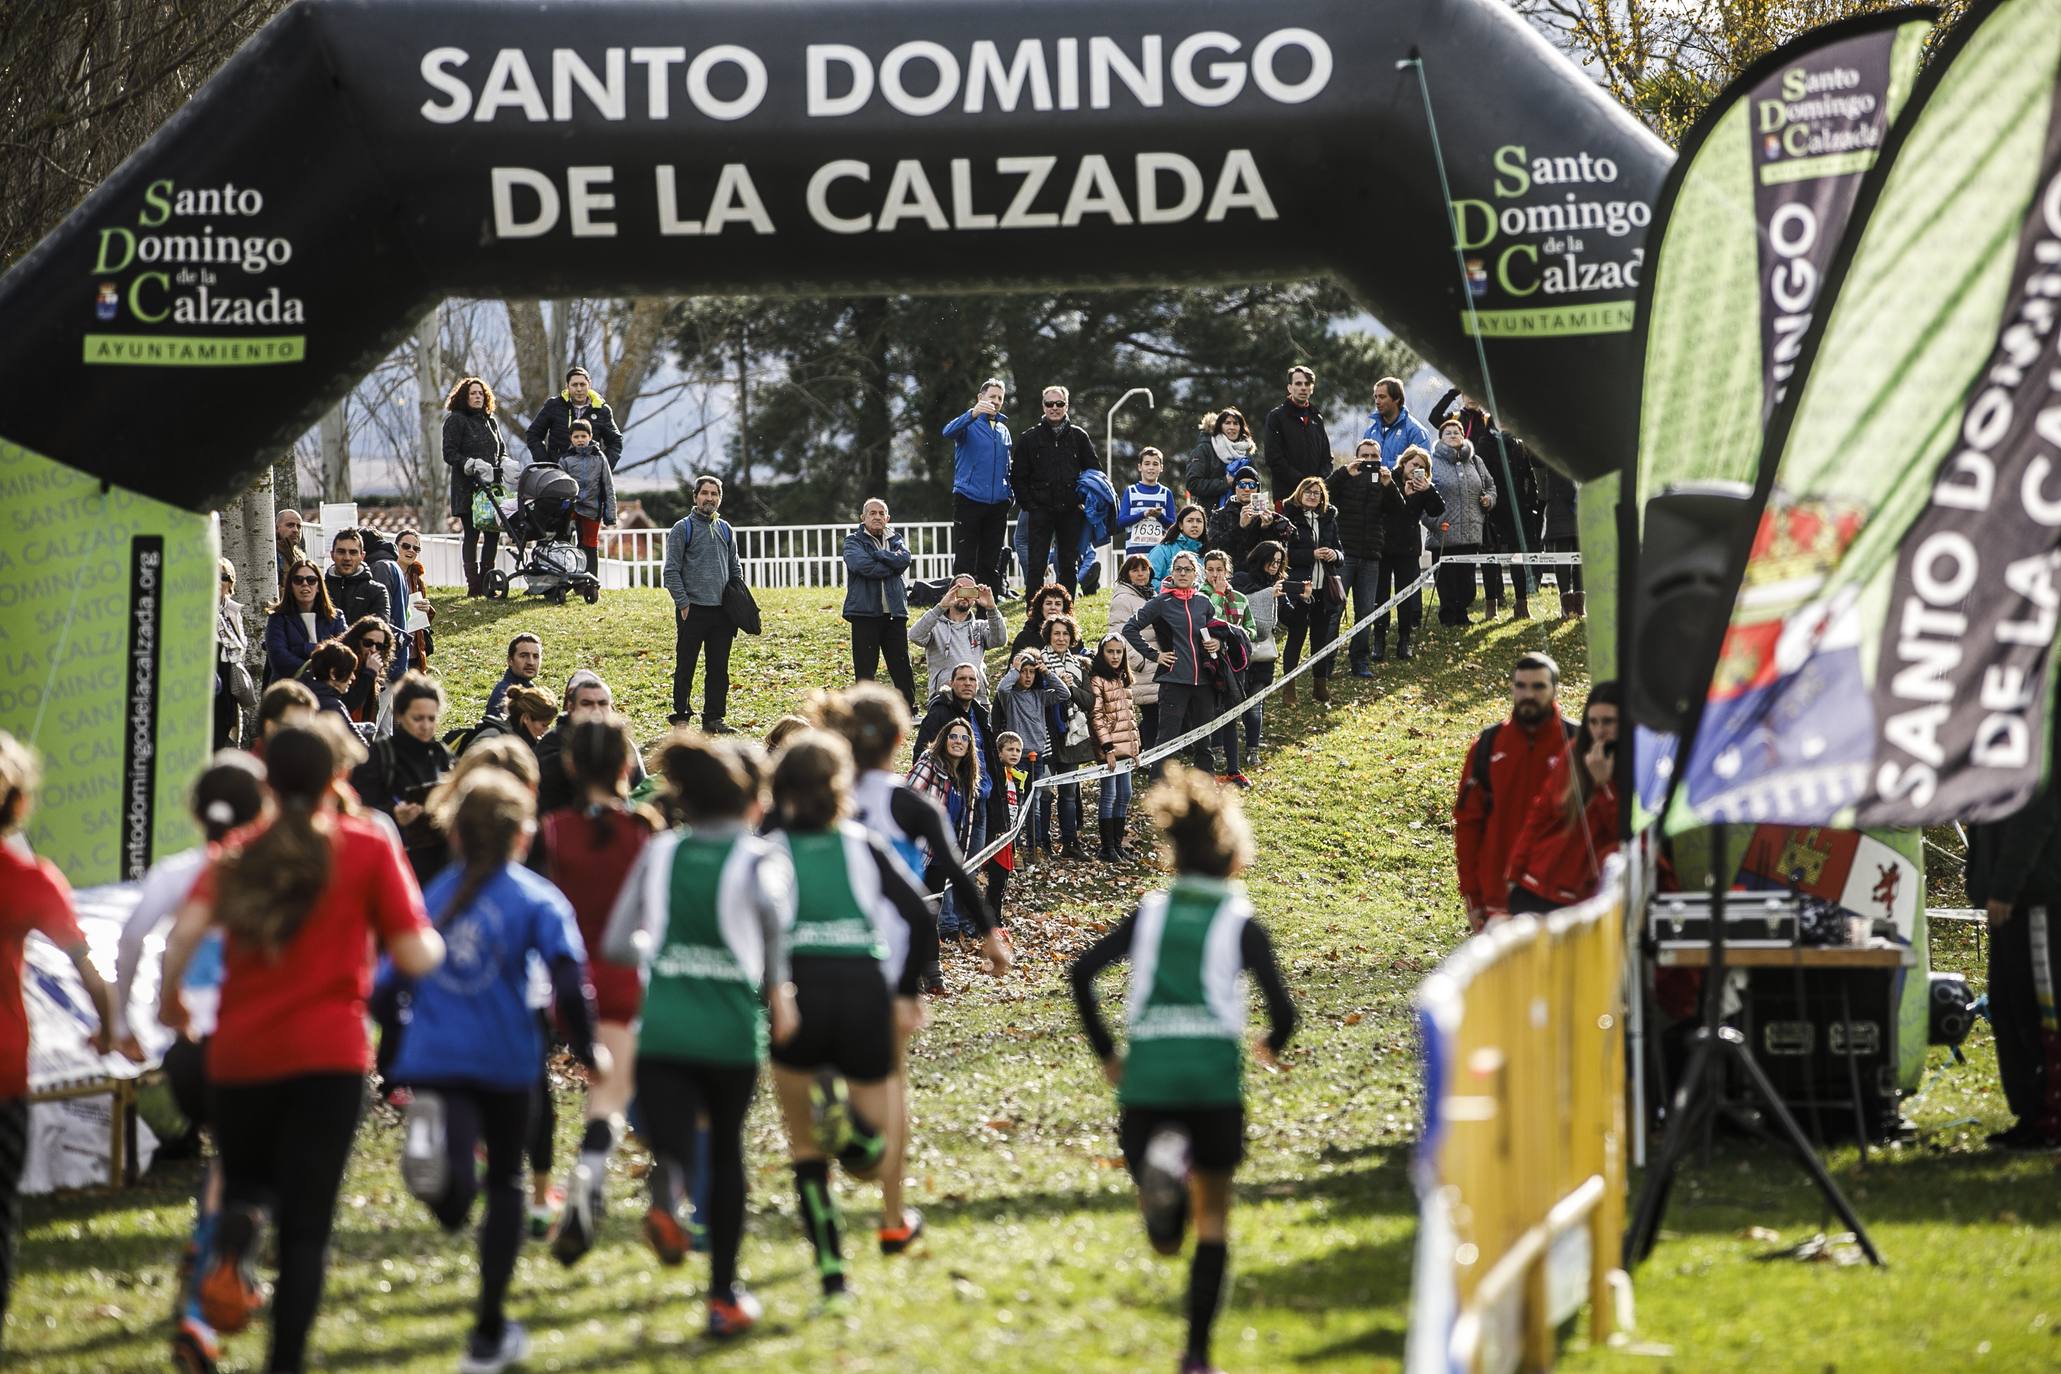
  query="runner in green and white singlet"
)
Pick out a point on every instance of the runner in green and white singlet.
point(1180, 1081)
point(704, 913)
point(834, 1073)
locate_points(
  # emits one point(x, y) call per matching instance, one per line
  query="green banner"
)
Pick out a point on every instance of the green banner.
point(107, 611)
point(1889, 657)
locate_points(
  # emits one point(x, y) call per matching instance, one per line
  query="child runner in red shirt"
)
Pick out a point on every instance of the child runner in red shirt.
point(33, 897)
point(300, 898)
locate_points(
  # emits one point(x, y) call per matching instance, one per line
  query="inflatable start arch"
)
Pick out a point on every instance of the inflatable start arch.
point(358, 161)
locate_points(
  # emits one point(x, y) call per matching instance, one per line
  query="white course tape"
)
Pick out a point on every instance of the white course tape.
point(1345, 634)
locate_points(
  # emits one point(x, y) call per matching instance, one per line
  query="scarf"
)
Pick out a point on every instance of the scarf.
point(1179, 593)
point(1226, 450)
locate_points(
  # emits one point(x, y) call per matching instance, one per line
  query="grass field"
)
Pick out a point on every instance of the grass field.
point(1035, 1259)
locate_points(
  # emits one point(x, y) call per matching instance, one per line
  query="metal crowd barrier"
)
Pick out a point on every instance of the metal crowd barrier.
point(1521, 1169)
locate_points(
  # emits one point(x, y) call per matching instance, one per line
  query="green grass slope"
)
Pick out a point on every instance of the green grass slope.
point(1035, 1259)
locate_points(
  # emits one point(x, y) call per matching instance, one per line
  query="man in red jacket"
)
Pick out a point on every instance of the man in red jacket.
point(1506, 766)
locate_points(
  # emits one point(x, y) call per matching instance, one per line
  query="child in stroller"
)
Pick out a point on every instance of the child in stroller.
point(539, 526)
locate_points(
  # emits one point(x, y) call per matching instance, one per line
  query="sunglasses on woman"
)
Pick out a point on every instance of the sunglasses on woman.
point(305, 581)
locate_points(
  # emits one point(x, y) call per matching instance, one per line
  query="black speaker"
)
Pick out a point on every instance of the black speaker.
point(1802, 1032)
point(1683, 597)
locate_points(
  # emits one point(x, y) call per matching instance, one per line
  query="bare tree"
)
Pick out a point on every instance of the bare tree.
point(1664, 60)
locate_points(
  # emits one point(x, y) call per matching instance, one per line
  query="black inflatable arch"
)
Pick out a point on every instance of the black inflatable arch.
point(358, 160)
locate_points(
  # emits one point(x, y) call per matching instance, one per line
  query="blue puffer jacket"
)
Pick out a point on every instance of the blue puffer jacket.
point(873, 575)
point(980, 457)
point(1098, 499)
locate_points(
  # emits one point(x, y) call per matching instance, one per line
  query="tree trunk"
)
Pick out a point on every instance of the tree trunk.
point(639, 353)
point(875, 429)
point(257, 577)
point(532, 344)
point(432, 476)
point(336, 453)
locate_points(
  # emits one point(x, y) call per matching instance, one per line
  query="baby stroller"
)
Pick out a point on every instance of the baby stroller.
point(539, 528)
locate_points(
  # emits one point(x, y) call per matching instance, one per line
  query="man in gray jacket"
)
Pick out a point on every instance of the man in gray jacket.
point(701, 558)
point(961, 628)
point(876, 558)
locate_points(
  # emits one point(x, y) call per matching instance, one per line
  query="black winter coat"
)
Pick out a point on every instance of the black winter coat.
point(360, 594)
point(1558, 504)
point(1205, 479)
point(1238, 540)
point(550, 434)
point(1303, 545)
point(1363, 503)
point(1295, 446)
point(1401, 531)
point(469, 434)
point(1046, 463)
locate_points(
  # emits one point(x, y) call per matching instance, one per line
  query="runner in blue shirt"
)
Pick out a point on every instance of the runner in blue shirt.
point(472, 1044)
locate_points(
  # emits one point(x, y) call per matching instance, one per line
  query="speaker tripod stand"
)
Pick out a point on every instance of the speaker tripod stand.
point(1713, 1046)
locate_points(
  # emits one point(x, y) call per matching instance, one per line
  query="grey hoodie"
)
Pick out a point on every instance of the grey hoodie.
point(949, 643)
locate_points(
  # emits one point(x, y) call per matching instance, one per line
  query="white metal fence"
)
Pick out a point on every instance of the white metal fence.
point(773, 555)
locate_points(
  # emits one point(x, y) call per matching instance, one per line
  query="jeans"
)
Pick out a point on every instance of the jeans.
point(1362, 578)
point(978, 528)
point(1569, 577)
point(1399, 570)
point(1259, 674)
point(951, 920)
point(1039, 528)
point(1066, 799)
point(883, 636)
point(706, 627)
point(1115, 802)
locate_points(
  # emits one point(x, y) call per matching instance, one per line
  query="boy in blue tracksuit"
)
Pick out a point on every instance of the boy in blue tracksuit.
point(980, 486)
point(1146, 509)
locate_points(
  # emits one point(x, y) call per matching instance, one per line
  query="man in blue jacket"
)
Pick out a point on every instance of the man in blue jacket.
point(875, 600)
point(1393, 426)
point(980, 486)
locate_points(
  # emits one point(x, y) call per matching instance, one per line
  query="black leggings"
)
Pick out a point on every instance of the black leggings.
point(672, 1093)
point(1318, 626)
point(544, 1115)
point(14, 1154)
point(501, 1118)
point(284, 1144)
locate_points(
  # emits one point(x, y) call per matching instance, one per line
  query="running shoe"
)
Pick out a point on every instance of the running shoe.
point(837, 1302)
point(491, 1357)
point(733, 1316)
point(544, 1215)
point(670, 1238)
point(830, 1112)
point(580, 1222)
point(229, 1292)
point(1244, 783)
point(425, 1165)
point(1189, 1366)
point(1163, 1188)
point(194, 1347)
point(896, 1239)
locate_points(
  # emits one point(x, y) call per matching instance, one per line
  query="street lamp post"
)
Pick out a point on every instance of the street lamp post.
point(1109, 428)
point(1109, 460)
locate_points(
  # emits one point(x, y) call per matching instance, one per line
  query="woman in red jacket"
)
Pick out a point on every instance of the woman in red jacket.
point(1571, 826)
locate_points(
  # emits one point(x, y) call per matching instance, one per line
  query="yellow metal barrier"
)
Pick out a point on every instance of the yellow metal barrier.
point(1521, 1172)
